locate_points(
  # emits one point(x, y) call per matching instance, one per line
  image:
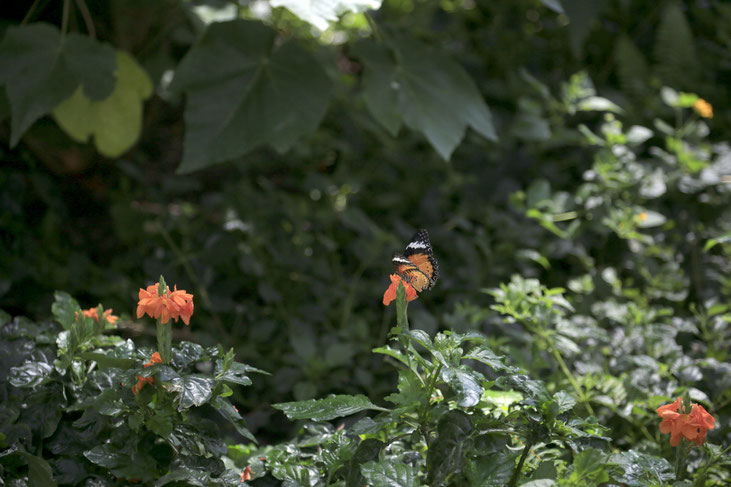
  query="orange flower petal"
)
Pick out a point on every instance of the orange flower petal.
point(390, 293)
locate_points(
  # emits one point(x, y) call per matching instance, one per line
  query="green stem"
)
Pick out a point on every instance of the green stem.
point(30, 12)
point(164, 341)
point(516, 474)
point(572, 380)
point(65, 18)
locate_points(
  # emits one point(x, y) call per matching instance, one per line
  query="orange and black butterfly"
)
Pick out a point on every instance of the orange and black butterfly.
point(417, 264)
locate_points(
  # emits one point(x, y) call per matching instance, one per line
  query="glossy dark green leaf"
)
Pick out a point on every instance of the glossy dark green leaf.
point(326, 409)
point(243, 91)
point(432, 93)
point(93, 63)
point(485, 355)
point(589, 468)
point(389, 473)
point(465, 385)
point(196, 390)
point(65, 309)
point(109, 403)
point(447, 451)
point(105, 361)
point(564, 400)
point(30, 374)
point(190, 476)
point(161, 424)
point(492, 470)
point(39, 471)
point(232, 415)
point(641, 469)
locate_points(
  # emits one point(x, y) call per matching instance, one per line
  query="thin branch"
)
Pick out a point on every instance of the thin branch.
point(87, 18)
point(65, 18)
point(30, 12)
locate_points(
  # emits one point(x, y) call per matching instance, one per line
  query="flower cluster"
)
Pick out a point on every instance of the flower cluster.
point(93, 313)
point(390, 293)
point(141, 381)
point(692, 426)
point(168, 304)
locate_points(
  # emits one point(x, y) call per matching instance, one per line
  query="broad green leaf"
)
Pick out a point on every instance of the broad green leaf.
point(589, 468)
point(540, 483)
point(321, 12)
point(389, 473)
point(411, 389)
point(631, 66)
point(446, 451)
point(367, 450)
point(30, 374)
point(244, 90)
point(326, 409)
point(39, 71)
point(502, 399)
point(492, 470)
point(116, 121)
point(109, 403)
point(65, 309)
point(485, 355)
point(582, 15)
point(39, 471)
point(196, 391)
point(464, 384)
point(105, 362)
point(407, 81)
point(232, 415)
point(675, 49)
point(564, 400)
point(641, 469)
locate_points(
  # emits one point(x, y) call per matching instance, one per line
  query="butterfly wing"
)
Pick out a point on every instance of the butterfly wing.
point(417, 265)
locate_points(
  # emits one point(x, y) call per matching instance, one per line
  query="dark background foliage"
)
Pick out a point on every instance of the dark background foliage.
point(288, 253)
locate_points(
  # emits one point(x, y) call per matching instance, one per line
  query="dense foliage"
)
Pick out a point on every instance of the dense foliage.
point(570, 159)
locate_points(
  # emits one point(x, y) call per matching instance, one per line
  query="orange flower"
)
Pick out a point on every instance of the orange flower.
point(703, 108)
point(698, 424)
point(693, 427)
point(175, 304)
point(246, 474)
point(92, 313)
point(141, 381)
point(390, 293)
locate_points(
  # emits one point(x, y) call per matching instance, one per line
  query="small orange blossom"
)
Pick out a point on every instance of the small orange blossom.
point(92, 313)
point(390, 293)
point(141, 381)
point(693, 426)
point(703, 108)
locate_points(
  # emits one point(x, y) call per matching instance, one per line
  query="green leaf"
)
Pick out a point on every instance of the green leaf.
point(554, 5)
point(39, 471)
point(407, 81)
point(30, 374)
point(232, 415)
point(40, 71)
point(64, 309)
point(564, 400)
point(491, 471)
point(115, 122)
point(641, 469)
point(389, 473)
point(326, 409)
point(244, 91)
point(712, 242)
point(196, 391)
point(161, 424)
point(103, 361)
point(445, 455)
point(465, 385)
point(589, 468)
point(367, 450)
point(582, 15)
point(631, 66)
point(675, 49)
point(485, 355)
point(109, 403)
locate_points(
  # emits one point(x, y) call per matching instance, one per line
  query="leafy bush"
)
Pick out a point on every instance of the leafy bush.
point(588, 173)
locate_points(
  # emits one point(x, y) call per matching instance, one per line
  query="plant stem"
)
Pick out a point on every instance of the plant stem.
point(65, 18)
point(87, 18)
point(516, 474)
point(164, 341)
point(30, 12)
point(571, 379)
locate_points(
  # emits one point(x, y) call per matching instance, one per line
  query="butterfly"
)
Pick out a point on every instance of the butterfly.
point(417, 264)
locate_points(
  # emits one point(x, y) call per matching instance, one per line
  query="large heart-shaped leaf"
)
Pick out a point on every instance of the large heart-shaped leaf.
point(116, 121)
point(408, 82)
point(244, 91)
point(40, 69)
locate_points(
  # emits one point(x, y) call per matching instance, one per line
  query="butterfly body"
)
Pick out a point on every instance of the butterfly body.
point(417, 264)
